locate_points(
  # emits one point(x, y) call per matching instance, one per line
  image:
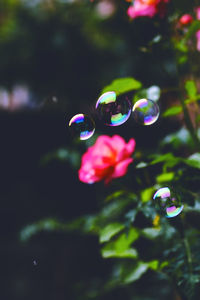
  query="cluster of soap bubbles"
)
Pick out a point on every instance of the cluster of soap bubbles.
point(114, 110)
point(168, 204)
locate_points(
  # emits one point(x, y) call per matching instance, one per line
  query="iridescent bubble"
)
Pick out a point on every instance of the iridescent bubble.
point(82, 126)
point(169, 205)
point(113, 110)
point(173, 211)
point(145, 112)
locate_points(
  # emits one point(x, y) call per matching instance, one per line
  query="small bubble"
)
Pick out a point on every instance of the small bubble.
point(82, 126)
point(168, 204)
point(35, 263)
point(113, 110)
point(145, 112)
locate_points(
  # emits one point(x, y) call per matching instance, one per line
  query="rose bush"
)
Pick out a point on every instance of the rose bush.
point(108, 158)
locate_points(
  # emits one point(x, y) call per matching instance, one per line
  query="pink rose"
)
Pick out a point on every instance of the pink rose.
point(147, 8)
point(140, 8)
point(198, 13)
point(198, 40)
point(108, 158)
point(185, 19)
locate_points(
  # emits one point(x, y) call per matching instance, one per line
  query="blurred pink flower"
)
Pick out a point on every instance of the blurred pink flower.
point(198, 31)
point(105, 8)
point(108, 158)
point(198, 13)
point(198, 40)
point(148, 8)
point(185, 19)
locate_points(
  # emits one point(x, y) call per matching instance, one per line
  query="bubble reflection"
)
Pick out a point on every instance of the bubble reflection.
point(145, 112)
point(169, 205)
point(82, 126)
point(113, 110)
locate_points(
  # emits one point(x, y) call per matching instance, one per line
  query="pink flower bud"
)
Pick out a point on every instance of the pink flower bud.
point(185, 19)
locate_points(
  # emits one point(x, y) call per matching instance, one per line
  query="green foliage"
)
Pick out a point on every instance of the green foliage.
point(193, 160)
point(192, 30)
point(191, 88)
point(165, 177)
point(121, 247)
point(123, 85)
point(173, 111)
point(109, 231)
point(136, 273)
point(63, 155)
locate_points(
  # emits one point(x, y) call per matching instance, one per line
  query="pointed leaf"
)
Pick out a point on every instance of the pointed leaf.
point(123, 85)
point(172, 111)
point(109, 231)
point(191, 88)
point(137, 272)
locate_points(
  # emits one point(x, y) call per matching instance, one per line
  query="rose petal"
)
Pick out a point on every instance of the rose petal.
point(121, 168)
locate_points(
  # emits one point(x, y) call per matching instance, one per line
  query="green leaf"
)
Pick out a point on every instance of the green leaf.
point(122, 85)
point(84, 224)
point(181, 46)
point(154, 265)
point(164, 264)
point(166, 177)
point(191, 88)
point(121, 247)
point(193, 160)
point(192, 100)
point(109, 231)
point(115, 195)
point(172, 111)
point(136, 273)
point(42, 225)
point(125, 240)
point(128, 253)
point(169, 159)
point(146, 194)
point(150, 233)
point(115, 208)
point(182, 58)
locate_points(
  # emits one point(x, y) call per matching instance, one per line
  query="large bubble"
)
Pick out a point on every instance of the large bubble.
point(145, 112)
point(82, 126)
point(168, 204)
point(113, 110)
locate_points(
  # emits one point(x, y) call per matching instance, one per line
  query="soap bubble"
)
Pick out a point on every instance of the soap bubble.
point(169, 205)
point(113, 110)
point(82, 126)
point(145, 112)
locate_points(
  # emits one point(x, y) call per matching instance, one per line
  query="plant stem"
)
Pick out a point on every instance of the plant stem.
point(186, 246)
point(188, 254)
